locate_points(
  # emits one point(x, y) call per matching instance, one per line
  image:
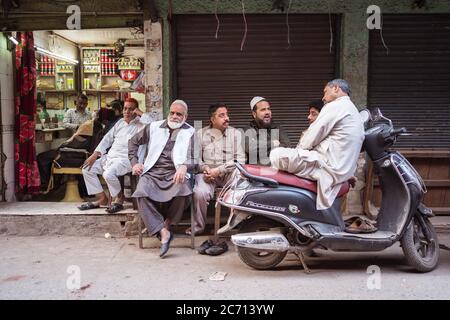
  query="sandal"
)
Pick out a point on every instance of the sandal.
point(217, 249)
point(360, 225)
point(205, 246)
point(115, 207)
point(88, 206)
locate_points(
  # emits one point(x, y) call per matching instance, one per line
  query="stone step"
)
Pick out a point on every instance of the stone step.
point(63, 218)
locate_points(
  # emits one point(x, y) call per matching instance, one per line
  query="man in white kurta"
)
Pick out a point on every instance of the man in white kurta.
point(328, 150)
point(110, 158)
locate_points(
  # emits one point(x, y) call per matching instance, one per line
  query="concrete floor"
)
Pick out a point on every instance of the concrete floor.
point(115, 268)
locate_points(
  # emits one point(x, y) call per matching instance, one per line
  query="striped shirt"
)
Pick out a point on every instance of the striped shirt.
point(73, 118)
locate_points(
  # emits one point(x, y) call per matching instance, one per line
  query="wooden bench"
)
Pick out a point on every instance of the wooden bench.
point(217, 219)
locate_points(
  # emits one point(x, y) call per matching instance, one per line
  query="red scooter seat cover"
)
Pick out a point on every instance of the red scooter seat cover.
point(289, 179)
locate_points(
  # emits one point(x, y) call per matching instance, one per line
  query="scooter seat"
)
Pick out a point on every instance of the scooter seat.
point(290, 179)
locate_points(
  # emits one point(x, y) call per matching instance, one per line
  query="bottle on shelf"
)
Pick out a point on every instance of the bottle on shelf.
point(98, 82)
point(44, 116)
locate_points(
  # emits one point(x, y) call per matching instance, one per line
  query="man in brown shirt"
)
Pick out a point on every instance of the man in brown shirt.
point(220, 145)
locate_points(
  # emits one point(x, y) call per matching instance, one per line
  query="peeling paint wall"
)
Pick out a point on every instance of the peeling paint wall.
point(153, 68)
point(354, 33)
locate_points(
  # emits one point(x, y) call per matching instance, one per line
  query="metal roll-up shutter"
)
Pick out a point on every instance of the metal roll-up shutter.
point(411, 84)
point(209, 70)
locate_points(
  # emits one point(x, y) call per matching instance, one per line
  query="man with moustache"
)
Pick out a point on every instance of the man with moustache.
point(110, 159)
point(328, 150)
point(163, 187)
point(262, 133)
point(220, 145)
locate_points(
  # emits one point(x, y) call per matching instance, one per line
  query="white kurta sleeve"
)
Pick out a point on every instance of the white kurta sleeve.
point(107, 140)
point(320, 128)
point(147, 118)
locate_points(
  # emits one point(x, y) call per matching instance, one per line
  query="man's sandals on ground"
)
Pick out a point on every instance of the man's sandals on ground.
point(360, 224)
point(115, 207)
point(88, 206)
point(212, 249)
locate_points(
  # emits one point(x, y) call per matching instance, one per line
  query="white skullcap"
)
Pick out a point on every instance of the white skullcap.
point(255, 100)
point(184, 104)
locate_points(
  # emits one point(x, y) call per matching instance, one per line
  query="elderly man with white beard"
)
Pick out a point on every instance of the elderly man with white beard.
point(162, 186)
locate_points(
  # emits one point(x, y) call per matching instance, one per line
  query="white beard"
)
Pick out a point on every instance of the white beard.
point(174, 125)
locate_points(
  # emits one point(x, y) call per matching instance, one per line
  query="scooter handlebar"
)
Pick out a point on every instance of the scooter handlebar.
point(399, 132)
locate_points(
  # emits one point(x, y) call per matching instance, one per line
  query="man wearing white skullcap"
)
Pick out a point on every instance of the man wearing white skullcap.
point(263, 134)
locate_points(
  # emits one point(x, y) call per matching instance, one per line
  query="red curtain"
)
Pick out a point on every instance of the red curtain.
point(26, 169)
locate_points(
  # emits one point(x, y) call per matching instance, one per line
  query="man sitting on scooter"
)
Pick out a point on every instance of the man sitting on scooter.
point(328, 150)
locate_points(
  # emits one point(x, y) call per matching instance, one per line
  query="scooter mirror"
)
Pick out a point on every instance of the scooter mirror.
point(376, 114)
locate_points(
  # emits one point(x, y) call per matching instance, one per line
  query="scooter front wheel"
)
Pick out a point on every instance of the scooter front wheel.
point(421, 254)
point(258, 259)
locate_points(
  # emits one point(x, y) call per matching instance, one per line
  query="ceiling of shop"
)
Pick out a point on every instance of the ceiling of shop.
point(102, 36)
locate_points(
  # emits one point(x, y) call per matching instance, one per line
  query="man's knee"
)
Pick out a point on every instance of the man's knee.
point(86, 172)
point(109, 175)
point(201, 194)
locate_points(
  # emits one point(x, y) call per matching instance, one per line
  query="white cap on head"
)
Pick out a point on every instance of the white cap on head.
point(255, 100)
point(181, 102)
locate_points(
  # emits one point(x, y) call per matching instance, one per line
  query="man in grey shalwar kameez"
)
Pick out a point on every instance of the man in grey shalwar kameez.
point(162, 180)
point(328, 150)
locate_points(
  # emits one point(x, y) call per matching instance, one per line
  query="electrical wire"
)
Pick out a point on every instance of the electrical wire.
point(331, 27)
point(381, 34)
point(217, 18)
point(287, 23)
point(245, 22)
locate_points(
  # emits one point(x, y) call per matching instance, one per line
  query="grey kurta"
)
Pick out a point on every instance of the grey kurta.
point(157, 183)
point(156, 186)
point(328, 151)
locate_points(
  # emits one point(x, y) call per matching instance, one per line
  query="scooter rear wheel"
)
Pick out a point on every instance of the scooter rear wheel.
point(420, 254)
point(258, 259)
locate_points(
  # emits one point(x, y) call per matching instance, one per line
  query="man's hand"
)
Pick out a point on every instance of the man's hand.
point(138, 112)
point(210, 175)
point(137, 169)
point(180, 174)
point(207, 175)
point(89, 162)
point(276, 143)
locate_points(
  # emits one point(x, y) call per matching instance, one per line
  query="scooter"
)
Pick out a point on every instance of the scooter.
point(275, 211)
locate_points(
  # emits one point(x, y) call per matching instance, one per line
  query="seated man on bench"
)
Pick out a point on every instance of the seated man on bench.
point(220, 145)
point(114, 162)
point(162, 188)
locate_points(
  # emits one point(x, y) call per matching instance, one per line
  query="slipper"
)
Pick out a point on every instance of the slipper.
point(360, 225)
point(217, 249)
point(165, 246)
point(88, 206)
point(204, 246)
point(115, 207)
